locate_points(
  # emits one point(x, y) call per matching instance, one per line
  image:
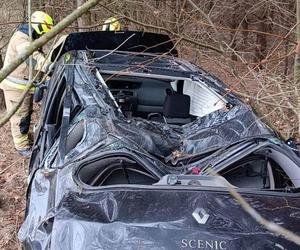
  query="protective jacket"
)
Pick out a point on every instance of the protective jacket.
point(14, 84)
point(18, 43)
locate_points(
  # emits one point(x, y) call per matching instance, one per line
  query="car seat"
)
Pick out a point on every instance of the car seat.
point(176, 109)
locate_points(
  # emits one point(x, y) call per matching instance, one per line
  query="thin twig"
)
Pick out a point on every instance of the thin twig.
point(272, 227)
point(8, 167)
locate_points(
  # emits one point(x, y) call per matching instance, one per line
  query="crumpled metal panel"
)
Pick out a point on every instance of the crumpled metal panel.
point(135, 218)
point(223, 128)
point(216, 130)
point(41, 209)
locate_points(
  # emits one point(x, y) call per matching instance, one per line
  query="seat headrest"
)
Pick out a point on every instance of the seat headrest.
point(177, 106)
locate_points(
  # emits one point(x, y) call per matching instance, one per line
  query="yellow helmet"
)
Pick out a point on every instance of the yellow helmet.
point(41, 22)
point(111, 24)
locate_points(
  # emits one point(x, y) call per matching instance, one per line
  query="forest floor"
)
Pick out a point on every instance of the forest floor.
point(13, 186)
point(13, 183)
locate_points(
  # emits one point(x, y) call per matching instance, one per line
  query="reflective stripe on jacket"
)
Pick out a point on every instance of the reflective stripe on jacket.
point(17, 44)
point(13, 83)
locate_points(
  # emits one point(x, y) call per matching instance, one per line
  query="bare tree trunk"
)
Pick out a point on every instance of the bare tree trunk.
point(2, 102)
point(234, 24)
point(261, 40)
point(297, 64)
point(85, 19)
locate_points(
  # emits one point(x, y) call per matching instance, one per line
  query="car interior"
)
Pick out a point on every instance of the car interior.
point(172, 101)
point(254, 172)
point(257, 172)
point(115, 170)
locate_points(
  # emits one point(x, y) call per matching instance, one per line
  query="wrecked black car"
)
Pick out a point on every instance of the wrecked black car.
point(122, 155)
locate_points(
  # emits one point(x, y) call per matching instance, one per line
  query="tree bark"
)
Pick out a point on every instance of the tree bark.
point(261, 39)
point(85, 19)
point(2, 101)
point(297, 63)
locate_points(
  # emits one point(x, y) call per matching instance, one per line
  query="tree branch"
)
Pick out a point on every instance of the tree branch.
point(272, 227)
point(5, 71)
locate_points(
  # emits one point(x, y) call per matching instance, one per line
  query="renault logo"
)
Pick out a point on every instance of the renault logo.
point(200, 215)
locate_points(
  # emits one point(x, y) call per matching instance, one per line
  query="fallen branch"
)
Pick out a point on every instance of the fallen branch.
point(8, 167)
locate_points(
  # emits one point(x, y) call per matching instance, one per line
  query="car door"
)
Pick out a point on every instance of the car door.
point(50, 119)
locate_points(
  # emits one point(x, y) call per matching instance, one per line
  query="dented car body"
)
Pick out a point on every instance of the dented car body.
point(128, 137)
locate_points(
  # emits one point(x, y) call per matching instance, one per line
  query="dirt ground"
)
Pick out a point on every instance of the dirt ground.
point(13, 179)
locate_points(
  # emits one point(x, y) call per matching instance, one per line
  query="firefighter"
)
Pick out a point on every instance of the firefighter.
point(111, 24)
point(15, 83)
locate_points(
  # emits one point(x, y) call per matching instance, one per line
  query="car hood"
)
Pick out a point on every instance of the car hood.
point(216, 130)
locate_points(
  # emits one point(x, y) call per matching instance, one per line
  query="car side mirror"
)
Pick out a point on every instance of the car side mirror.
point(39, 92)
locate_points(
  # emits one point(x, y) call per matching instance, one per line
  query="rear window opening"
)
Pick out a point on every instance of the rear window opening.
point(172, 101)
point(264, 169)
point(115, 170)
point(261, 172)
